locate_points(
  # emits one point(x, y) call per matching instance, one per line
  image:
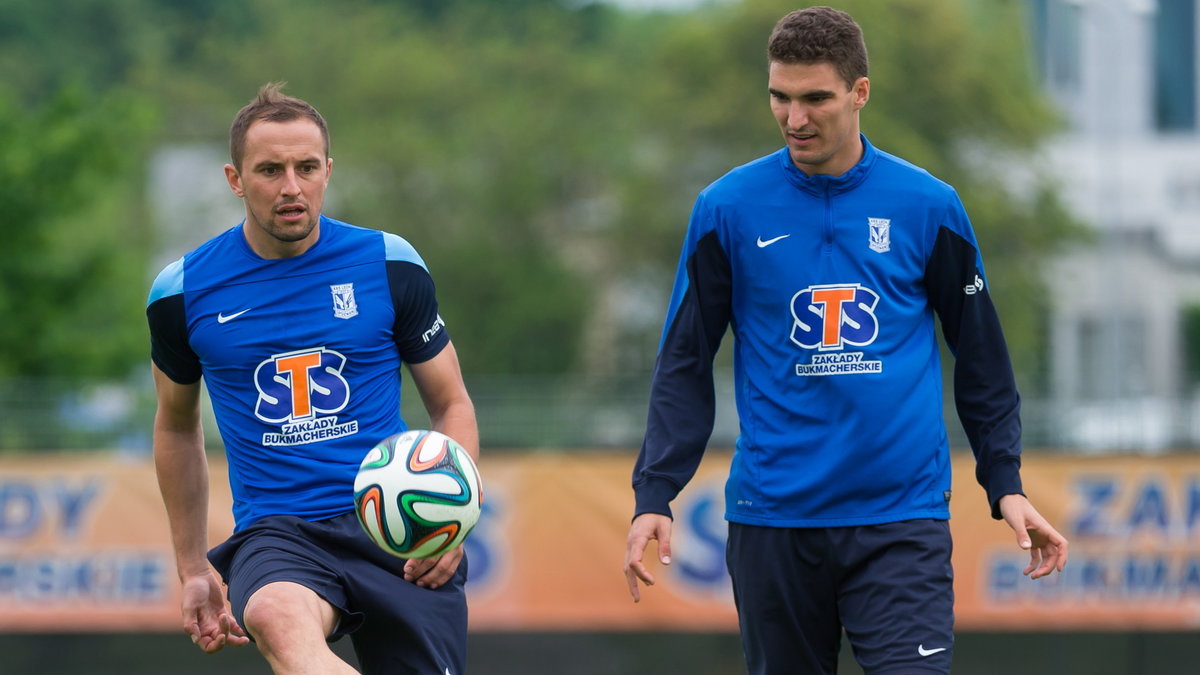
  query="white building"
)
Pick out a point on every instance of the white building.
point(1125, 363)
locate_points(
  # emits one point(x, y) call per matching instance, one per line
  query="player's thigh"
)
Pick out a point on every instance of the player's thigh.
point(785, 597)
point(280, 549)
point(286, 610)
point(896, 599)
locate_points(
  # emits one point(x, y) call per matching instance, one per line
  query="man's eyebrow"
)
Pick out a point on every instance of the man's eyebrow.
point(267, 163)
point(805, 94)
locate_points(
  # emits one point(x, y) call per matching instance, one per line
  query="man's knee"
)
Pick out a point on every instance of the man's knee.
point(283, 612)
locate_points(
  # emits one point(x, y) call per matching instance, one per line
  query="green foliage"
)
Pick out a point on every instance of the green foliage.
point(537, 153)
point(69, 282)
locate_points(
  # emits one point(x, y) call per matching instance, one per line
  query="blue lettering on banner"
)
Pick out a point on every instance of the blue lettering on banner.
point(481, 546)
point(705, 563)
point(1149, 509)
point(1133, 540)
point(125, 578)
point(20, 510)
point(63, 506)
point(1192, 509)
point(1096, 495)
point(1110, 506)
point(27, 506)
point(1122, 578)
point(699, 540)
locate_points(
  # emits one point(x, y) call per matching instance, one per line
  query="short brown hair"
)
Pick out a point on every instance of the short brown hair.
point(271, 105)
point(820, 35)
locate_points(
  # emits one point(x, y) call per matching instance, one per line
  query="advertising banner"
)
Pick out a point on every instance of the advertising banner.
point(84, 544)
point(1134, 529)
point(84, 547)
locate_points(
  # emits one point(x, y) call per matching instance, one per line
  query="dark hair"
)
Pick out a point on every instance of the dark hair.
point(817, 35)
point(271, 105)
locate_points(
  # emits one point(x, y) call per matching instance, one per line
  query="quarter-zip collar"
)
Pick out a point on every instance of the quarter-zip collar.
point(822, 185)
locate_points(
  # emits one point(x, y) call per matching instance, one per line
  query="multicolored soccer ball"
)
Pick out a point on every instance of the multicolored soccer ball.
point(418, 494)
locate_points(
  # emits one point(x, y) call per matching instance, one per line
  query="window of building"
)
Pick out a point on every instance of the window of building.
point(1174, 48)
point(1112, 358)
point(1057, 40)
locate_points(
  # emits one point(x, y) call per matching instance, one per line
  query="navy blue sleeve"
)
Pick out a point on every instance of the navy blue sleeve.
point(682, 399)
point(418, 330)
point(985, 391)
point(169, 347)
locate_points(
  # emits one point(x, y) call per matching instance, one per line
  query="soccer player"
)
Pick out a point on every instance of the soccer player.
point(298, 324)
point(830, 258)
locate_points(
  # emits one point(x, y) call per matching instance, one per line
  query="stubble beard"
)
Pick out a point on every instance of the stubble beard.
point(286, 233)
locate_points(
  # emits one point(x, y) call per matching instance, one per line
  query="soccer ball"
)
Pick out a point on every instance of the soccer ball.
point(417, 494)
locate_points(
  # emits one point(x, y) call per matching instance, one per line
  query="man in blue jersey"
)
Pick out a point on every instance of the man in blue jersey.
point(829, 259)
point(298, 325)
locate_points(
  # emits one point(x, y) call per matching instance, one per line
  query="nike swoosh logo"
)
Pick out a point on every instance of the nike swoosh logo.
point(224, 318)
point(929, 652)
point(764, 244)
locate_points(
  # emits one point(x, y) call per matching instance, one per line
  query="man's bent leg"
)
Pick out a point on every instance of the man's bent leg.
point(290, 624)
point(285, 591)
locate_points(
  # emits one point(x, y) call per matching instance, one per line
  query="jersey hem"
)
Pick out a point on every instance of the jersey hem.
point(851, 521)
point(251, 519)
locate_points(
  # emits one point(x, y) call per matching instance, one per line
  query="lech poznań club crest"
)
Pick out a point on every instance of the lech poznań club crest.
point(881, 234)
point(344, 305)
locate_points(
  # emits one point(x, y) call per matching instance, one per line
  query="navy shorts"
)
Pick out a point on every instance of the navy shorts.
point(395, 625)
point(889, 586)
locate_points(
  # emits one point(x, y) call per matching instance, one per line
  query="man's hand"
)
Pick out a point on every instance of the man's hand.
point(433, 572)
point(1047, 548)
point(206, 616)
point(644, 528)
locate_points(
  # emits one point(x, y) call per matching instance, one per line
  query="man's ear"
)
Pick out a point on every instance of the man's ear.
point(235, 180)
point(862, 92)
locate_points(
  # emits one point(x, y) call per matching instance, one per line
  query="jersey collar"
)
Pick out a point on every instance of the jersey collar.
point(819, 184)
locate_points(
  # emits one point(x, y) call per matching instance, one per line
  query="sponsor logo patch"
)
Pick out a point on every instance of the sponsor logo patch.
point(301, 391)
point(828, 318)
point(436, 328)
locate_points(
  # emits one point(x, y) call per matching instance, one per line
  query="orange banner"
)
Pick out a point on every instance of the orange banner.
point(1134, 529)
point(84, 547)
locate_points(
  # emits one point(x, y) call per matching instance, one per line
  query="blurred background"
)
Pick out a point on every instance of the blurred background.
point(543, 156)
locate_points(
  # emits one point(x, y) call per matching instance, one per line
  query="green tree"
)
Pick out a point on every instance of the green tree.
point(543, 156)
point(70, 276)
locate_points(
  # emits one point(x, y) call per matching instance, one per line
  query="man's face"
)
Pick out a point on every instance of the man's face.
point(282, 180)
point(817, 115)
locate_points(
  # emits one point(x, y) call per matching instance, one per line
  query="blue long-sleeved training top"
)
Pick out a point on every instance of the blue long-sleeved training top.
point(831, 286)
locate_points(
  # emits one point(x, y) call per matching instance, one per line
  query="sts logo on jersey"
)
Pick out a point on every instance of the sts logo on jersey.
point(829, 317)
point(294, 388)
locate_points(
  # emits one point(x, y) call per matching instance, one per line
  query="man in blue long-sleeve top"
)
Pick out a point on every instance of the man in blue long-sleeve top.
point(829, 260)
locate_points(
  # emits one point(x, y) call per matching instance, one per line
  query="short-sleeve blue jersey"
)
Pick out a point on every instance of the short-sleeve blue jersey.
point(830, 286)
point(300, 356)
